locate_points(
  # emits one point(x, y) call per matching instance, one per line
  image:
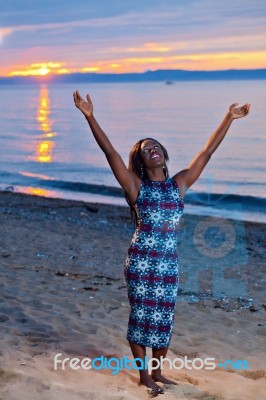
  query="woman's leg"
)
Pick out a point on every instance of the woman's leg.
point(157, 373)
point(139, 351)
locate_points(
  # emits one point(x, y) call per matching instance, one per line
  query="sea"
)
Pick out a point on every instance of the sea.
point(47, 148)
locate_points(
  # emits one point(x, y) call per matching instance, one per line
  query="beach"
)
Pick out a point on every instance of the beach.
point(63, 291)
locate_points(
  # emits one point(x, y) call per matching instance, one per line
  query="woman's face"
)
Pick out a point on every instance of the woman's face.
point(151, 154)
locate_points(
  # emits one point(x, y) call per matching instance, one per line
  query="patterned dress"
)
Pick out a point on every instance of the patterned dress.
point(151, 266)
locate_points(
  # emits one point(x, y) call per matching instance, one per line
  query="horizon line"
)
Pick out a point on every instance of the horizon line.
point(134, 73)
point(168, 75)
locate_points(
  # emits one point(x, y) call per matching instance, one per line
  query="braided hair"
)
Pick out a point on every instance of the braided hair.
point(136, 165)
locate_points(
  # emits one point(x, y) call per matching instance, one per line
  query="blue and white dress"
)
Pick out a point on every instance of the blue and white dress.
point(151, 266)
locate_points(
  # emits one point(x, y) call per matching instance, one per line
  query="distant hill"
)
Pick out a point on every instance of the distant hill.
point(169, 76)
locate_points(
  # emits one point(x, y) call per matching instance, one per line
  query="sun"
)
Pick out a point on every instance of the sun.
point(37, 69)
point(44, 71)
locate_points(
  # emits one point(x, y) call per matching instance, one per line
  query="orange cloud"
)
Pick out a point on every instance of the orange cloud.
point(192, 61)
point(90, 69)
point(149, 47)
point(40, 69)
point(205, 61)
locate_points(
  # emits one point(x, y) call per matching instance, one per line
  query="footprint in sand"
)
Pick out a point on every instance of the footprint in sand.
point(187, 378)
point(190, 392)
point(253, 374)
point(8, 377)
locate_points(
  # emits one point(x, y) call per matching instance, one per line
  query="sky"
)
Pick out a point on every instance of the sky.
point(117, 36)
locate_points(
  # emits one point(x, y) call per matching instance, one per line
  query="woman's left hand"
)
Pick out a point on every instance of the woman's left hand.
point(239, 112)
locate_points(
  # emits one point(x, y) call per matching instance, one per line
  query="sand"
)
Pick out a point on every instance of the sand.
point(63, 291)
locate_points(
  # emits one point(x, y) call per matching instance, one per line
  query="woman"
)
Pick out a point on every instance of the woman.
point(151, 267)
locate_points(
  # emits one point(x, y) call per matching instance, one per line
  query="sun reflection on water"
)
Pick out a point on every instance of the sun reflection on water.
point(36, 191)
point(45, 147)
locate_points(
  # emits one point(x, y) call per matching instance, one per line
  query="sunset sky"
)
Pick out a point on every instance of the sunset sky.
point(49, 36)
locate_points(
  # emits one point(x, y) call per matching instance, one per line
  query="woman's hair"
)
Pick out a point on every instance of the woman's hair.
point(136, 165)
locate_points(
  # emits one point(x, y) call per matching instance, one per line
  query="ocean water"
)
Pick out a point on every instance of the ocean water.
point(46, 147)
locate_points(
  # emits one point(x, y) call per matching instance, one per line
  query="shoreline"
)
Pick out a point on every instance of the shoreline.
point(239, 244)
point(63, 290)
point(195, 203)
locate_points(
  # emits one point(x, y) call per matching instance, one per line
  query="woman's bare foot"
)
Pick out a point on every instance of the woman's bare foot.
point(149, 382)
point(158, 377)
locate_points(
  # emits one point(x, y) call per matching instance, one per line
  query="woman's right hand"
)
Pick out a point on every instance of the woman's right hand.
point(86, 107)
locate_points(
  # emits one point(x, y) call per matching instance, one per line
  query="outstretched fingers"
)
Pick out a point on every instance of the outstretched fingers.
point(245, 109)
point(78, 95)
point(75, 95)
point(233, 106)
point(239, 112)
point(77, 99)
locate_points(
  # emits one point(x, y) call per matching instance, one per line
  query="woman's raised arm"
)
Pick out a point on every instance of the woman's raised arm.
point(188, 176)
point(127, 179)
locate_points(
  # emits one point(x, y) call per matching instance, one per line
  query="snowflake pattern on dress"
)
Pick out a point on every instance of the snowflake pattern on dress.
point(151, 266)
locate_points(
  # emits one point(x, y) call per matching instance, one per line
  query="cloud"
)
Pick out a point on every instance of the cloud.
point(100, 30)
point(137, 28)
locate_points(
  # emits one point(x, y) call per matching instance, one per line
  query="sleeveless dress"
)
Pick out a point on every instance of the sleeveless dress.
point(151, 266)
